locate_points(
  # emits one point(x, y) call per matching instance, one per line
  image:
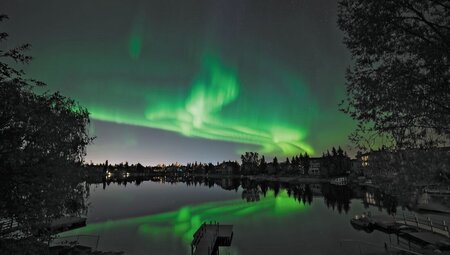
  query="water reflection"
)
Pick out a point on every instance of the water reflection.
point(377, 198)
point(289, 210)
point(335, 197)
point(186, 220)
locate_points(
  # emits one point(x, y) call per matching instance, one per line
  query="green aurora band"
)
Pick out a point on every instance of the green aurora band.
point(202, 113)
point(136, 38)
point(185, 221)
point(222, 77)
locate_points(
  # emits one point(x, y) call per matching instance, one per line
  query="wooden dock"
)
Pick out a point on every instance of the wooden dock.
point(8, 226)
point(11, 226)
point(427, 224)
point(209, 237)
point(438, 191)
point(66, 223)
point(396, 222)
point(423, 230)
point(427, 238)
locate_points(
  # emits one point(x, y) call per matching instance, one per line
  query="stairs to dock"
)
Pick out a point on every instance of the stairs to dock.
point(209, 237)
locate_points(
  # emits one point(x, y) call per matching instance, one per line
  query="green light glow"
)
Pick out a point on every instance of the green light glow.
point(212, 111)
point(204, 70)
point(136, 38)
point(185, 221)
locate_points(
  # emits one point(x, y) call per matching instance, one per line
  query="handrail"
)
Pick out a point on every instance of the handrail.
point(420, 222)
point(214, 233)
point(8, 225)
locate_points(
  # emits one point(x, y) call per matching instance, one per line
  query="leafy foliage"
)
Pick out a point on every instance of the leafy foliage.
point(250, 162)
point(335, 164)
point(42, 144)
point(398, 87)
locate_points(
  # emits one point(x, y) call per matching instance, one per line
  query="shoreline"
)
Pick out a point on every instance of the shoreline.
point(270, 178)
point(287, 179)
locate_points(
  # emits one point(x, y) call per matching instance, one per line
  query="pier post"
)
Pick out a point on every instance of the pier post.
point(446, 228)
point(417, 220)
point(96, 244)
point(431, 223)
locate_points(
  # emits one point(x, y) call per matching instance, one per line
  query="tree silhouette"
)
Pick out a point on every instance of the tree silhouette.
point(305, 163)
point(263, 165)
point(275, 165)
point(43, 138)
point(334, 152)
point(250, 162)
point(398, 85)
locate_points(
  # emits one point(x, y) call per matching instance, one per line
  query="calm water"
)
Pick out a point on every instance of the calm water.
point(160, 218)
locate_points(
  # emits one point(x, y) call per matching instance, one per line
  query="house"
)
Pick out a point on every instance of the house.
point(373, 163)
point(314, 166)
point(355, 166)
point(224, 169)
point(388, 163)
point(227, 168)
point(271, 168)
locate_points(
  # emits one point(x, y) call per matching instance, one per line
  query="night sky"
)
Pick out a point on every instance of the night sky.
point(182, 81)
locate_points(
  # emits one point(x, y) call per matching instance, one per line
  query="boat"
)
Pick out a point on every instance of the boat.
point(362, 223)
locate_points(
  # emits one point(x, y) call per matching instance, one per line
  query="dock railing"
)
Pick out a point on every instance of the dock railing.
point(7, 226)
point(425, 223)
point(199, 234)
point(437, 191)
point(213, 229)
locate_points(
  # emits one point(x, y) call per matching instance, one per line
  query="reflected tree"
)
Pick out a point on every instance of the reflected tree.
point(337, 197)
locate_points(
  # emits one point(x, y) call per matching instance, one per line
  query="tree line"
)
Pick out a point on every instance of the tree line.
point(330, 164)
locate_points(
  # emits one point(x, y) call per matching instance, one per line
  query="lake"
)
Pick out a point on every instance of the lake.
point(160, 217)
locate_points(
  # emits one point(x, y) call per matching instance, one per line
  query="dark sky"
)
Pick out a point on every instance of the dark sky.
point(178, 81)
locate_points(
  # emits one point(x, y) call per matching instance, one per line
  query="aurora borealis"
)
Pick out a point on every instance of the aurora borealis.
point(169, 81)
point(201, 114)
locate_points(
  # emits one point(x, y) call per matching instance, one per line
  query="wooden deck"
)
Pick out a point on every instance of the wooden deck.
point(427, 237)
point(10, 227)
point(427, 224)
point(387, 222)
point(209, 237)
point(66, 223)
point(423, 230)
